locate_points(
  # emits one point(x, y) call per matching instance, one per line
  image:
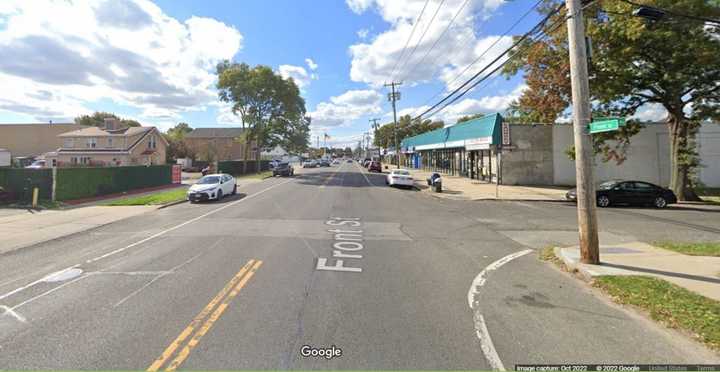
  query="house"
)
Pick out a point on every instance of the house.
point(113, 145)
point(32, 140)
point(210, 144)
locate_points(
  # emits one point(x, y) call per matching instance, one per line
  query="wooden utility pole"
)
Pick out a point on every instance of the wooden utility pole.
point(392, 97)
point(586, 207)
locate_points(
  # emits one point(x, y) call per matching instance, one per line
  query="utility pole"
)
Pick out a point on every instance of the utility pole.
point(392, 97)
point(586, 207)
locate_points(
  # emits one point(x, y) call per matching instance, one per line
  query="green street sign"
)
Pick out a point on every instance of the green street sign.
point(606, 125)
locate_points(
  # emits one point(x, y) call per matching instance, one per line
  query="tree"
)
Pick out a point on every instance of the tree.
point(470, 117)
point(672, 62)
point(177, 147)
point(268, 105)
point(97, 119)
point(407, 127)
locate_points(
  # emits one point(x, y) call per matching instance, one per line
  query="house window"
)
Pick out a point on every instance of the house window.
point(69, 143)
point(152, 144)
point(74, 160)
point(54, 163)
point(110, 142)
point(92, 142)
point(85, 160)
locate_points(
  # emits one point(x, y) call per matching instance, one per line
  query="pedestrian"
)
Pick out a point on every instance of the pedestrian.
point(205, 170)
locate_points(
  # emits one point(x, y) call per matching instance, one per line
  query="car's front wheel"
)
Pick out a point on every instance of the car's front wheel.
point(603, 201)
point(660, 202)
point(219, 195)
point(234, 190)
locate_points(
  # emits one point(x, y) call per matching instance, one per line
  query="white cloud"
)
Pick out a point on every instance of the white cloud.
point(374, 62)
point(297, 73)
point(650, 112)
point(359, 6)
point(127, 51)
point(225, 115)
point(469, 106)
point(363, 33)
point(311, 64)
point(343, 109)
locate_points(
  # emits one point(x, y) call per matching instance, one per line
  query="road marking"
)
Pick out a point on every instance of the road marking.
point(481, 330)
point(50, 291)
point(32, 284)
point(231, 289)
point(13, 313)
point(480, 279)
point(164, 273)
point(161, 233)
point(364, 176)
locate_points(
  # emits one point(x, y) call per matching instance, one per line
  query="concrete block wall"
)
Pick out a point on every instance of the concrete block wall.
point(530, 162)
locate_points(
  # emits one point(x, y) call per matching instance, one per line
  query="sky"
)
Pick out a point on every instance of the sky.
point(154, 61)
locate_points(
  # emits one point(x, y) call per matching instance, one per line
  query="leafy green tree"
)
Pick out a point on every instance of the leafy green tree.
point(407, 127)
point(177, 147)
point(672, 62)
point(269, 106)
point(97, 119)
point(470, 117)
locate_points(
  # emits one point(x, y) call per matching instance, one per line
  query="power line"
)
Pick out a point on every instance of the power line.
point(481, 55)
point(554, 26)
point(439, 38)
point(674, 13)
point(437, 10)
point(522, 38)
point(392, 73)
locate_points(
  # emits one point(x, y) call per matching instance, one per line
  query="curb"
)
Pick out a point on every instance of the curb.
point(434, 194)
point(573, 266)
point(172, 203)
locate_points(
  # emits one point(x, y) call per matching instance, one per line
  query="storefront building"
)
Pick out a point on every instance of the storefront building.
point(467, 149)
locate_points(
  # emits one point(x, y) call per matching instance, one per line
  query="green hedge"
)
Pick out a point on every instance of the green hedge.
point(235, 167)
point(77, 183)
point(21, 180)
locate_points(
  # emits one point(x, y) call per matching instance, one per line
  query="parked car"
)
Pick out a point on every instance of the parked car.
point(37, 164)
point(212, 186)
point(375, 166)
point(349, 160)
point(324, 163)
point(309, 164)
point(399, 177)
point(283, 169)
point(630, 193)
point(366, 162)
point(336, 162)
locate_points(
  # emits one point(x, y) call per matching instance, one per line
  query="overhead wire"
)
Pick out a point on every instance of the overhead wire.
point(412, 32)
point(437, 10)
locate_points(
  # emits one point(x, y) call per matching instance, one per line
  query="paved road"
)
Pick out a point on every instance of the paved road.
point(247, 282)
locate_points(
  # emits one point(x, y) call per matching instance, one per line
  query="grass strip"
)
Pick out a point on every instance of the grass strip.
point(667, 303)
point(158, 198)
point(692, 249)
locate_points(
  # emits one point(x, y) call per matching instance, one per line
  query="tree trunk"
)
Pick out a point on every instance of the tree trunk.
point(680, 168)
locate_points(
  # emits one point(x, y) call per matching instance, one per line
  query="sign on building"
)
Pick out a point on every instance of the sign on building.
point(505, 134)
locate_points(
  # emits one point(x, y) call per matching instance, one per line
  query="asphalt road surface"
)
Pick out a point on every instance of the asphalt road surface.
point(391, 278)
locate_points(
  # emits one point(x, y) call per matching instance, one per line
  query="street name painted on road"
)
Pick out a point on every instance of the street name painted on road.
point(347, 244)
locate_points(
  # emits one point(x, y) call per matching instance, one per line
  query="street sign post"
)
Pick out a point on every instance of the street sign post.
point(606, 125)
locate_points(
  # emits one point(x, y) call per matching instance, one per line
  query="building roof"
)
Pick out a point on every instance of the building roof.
point(100, 132)
point(215, 133)
point(487, 126)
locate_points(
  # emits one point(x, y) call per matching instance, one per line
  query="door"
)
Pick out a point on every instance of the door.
point(622, 193)
point(645, 193)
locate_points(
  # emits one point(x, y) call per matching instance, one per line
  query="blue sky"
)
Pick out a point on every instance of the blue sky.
point(152, 61)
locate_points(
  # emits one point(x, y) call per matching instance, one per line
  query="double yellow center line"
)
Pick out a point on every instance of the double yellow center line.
point(202, 323)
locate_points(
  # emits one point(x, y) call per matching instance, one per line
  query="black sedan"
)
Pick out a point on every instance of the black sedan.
point(630, 193)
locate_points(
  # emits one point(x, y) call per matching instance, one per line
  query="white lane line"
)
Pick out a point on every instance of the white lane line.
point(363, 174)
point(20, 289)
point(486, 344)
point(481, 330)
point(131, 295)
point(13, 313)
point(16, 290)
point(48, 292)
point(161, 233)
point(480, 279)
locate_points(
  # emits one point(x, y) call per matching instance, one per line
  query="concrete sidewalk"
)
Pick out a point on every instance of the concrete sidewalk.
point(700, 274)
point(26, 229)
point(461, 188)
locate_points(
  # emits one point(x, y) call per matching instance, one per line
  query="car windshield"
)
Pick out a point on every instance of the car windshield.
point(607, 185)
point(209, 180)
